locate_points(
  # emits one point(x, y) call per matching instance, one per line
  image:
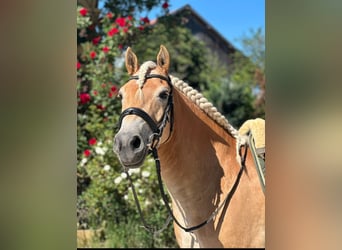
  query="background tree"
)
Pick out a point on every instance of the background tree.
point(250, 68)
point(240, 93)
point(104, 199)
point(189, 55)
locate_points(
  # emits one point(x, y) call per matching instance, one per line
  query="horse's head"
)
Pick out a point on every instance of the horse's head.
point(146, 108)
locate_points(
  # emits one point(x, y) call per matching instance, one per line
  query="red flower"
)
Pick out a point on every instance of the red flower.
point(101, 107)
point(125, 29)
point(145, 19)
point(120, 46)
point(83, 11)
point(95, 92)
point(121, 21)
point(91, 27)
point(129, 18)
point(113, 88)
point(96, 40)
point(103, 85)
point(141, 27)
point(92, 54)
point(105, 49)
point(78, 65)
point(84, 98)
point(165, 5)
point(113, 31)
point(92, 141)
point(86, 152)
point(109, 15)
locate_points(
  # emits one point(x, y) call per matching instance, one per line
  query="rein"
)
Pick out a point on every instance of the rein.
point(212, 216)
point(155, 138)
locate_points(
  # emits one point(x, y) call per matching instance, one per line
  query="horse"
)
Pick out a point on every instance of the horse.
point(209, 172)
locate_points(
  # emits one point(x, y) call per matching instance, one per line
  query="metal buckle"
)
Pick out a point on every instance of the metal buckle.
point(154, 141)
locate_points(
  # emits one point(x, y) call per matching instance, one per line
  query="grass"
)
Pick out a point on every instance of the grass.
point(130, 235)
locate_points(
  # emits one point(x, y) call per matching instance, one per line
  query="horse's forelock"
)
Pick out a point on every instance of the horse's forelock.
point(143, 70)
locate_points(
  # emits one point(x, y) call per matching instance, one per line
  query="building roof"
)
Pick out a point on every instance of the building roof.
point(187, 10)
point(207, 33)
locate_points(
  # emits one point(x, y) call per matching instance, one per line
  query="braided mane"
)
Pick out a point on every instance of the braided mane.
point(193, 95)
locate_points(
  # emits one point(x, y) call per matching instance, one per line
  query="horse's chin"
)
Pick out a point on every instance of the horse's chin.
point(134, 164)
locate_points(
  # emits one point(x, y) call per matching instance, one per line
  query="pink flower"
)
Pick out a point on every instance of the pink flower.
point(86, 152)
point(83, 11)
point(121, 21)
point(105, 49)
point(78, 65)
point(95, 92)
point(165, 5)
point(96, 40)
point(92, 54)
point(92, 141)
point(112, 32)
point(84, 98)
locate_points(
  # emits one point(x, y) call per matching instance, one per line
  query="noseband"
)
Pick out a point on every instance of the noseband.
point(157, 128)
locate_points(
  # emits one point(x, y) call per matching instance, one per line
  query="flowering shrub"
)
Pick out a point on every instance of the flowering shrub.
point(103, 194)
point(83, 19)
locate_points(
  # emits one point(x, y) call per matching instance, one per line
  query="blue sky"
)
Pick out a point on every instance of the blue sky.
point(231, 18)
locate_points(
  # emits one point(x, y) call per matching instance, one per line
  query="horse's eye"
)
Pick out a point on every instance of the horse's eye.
point(163, 95)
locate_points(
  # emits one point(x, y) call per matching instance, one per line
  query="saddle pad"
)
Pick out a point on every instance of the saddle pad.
point(255, 130)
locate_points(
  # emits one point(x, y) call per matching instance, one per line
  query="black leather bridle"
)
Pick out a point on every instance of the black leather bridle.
point(157, 128)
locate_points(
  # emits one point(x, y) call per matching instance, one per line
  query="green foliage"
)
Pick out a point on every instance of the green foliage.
point(83, 21)
point(239, 92)
point(188, 54)
point(250, 68)
point(104, 199)
point(254, 47)
point(234, 100)
point(128, 7)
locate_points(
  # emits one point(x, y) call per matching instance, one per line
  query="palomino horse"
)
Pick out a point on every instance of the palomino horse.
point(217, 199)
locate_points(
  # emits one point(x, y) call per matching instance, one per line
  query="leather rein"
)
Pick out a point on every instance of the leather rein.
point(157, 129)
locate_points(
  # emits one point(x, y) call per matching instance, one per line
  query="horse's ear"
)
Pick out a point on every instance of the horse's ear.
point(163, 59)
point(131, 61)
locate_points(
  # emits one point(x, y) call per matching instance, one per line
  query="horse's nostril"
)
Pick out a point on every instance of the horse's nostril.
point(136, 142)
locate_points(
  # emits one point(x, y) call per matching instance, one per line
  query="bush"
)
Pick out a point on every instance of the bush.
point(104, 199)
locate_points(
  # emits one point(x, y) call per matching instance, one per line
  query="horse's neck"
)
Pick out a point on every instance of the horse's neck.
point(191, 162)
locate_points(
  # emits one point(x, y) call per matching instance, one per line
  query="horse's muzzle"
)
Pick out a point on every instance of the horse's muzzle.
point(131, 149)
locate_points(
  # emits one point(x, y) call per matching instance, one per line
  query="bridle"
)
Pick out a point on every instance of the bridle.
point(157, 129)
